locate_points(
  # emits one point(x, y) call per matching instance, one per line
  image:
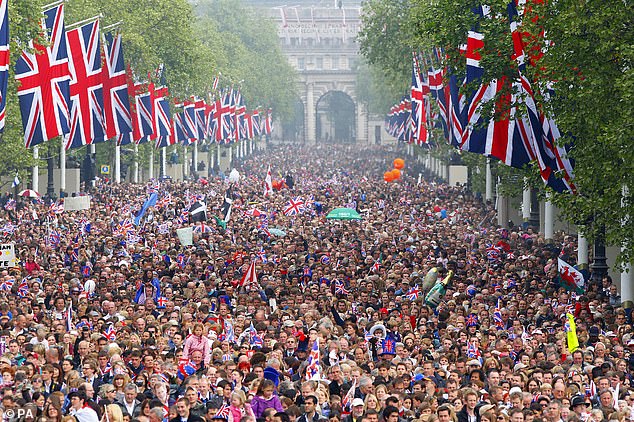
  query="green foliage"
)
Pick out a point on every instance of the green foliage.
point(225, 38)
point(589, 62)
point(385, 42)
point(249, 54)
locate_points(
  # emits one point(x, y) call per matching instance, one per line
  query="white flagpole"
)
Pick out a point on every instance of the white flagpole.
point(164, 161)
point(136, 163)
point(62, 168)
point(151, 163)
point(35, 185)
point(117, 164)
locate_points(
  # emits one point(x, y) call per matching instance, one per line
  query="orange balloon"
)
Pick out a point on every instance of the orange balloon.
point(399, 163)
point(388, 177)
point(396, 174)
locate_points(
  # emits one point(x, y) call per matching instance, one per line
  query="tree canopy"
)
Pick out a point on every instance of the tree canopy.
point(586, 60)
point(192, 44)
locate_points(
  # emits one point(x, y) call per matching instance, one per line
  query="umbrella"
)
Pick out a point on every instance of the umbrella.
point(29, 193)
point(277, 232)
point(343, 214)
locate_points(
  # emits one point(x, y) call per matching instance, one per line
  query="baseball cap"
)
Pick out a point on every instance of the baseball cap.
point(357, 402)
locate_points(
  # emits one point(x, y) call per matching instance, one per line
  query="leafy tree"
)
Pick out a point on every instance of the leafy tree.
point(587, 61)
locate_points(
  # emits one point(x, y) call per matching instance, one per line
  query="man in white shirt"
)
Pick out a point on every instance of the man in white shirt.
point(80, 410)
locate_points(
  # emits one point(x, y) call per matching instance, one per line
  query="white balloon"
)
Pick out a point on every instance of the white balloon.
point(234, 176)
point(90, 286)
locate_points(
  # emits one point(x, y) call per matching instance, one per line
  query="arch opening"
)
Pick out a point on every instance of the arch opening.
point(336, 119)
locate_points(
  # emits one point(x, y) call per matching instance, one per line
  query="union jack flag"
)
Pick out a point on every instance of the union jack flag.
point(313, 369)
point(161, 301)
point(54, 237)
point(56, 208)
point(340, 288)
point(7, 285)
point(210, 122)
point(257, 126)
point(472, 351)
point(420, 102)
point(115, 89)
point(202, 228)
point(223, 118)
point(186, 369)
point(10, 205)
point(199, 112)
point(145, 116)
point(325, 259)
point(472, 320)
point(164, 201)
point(376, 266)
point(189, 114)
point(161, 118)
point(493, 253)
point(254, 339)
point(294, 206)
point(8, 229)
point(123, 228)
point(23, 288)
point(132, 238)
point(44, 78)
point(224, 411)
point(87, 124)
point(183, 217)
point(262, 256)
point(347, 399)
point(4, 59)
point(110, 332)
point(414, 293)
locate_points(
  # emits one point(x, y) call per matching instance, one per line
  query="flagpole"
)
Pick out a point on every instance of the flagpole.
point(136, 163)
point(151, 169)
point(51, 5)
point(114, 25)
point(62, 169)
point(80, 23)
point(163, 161)
point(117, 163)
point(184, 163)
point(195, 160)
point(35, 180)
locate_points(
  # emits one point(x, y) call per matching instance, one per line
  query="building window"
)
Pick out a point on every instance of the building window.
point(319, 63)
point(301, 63)
point(335, 63)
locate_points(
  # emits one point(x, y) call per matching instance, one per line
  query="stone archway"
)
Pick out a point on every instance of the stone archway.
point(335, 118)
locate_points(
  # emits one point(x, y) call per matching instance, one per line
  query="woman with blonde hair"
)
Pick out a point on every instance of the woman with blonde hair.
point(371, 402)
point(112, 413)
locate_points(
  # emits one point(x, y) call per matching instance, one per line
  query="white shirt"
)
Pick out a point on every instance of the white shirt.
point(85, 414)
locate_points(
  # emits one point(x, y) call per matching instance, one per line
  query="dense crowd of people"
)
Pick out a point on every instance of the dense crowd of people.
point(299, 318)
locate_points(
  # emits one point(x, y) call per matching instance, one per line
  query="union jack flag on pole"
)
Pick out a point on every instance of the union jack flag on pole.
point(44, 83)
point(115, 88)
point(87, 123)
point(4, 59)
point(313, 370)
point(161, 118)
